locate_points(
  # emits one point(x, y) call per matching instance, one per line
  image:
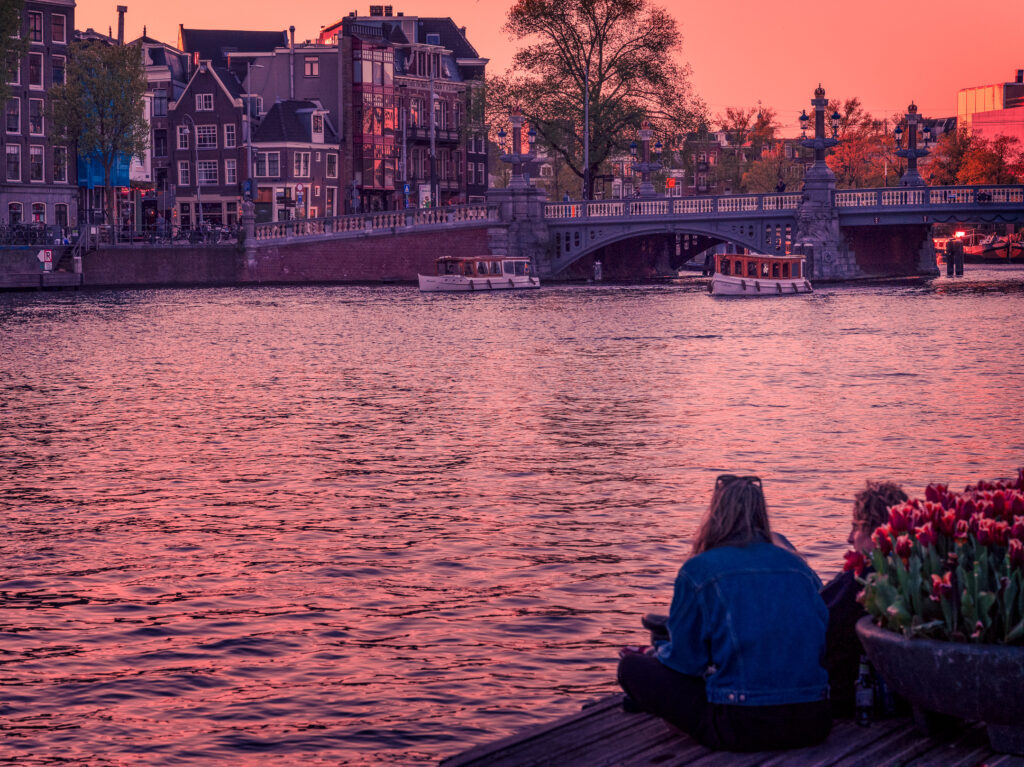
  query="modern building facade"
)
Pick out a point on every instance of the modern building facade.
point(39, 181)
point(984, 99)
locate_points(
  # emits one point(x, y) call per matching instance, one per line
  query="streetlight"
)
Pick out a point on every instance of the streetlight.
point(517, 157)
point(820, 169)
point(911, 153)
point(646, 167)
point(199, 188)
point(249, 66)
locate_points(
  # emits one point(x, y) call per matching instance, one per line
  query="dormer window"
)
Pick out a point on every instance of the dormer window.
point(318, 123)
point(433, 39)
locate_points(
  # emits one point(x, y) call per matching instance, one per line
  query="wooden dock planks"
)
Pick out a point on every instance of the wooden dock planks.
point(603, 735)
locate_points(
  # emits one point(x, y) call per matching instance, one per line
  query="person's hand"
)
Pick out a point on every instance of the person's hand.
point(632, 649)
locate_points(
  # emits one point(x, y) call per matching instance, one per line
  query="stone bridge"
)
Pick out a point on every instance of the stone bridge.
point(842, 233)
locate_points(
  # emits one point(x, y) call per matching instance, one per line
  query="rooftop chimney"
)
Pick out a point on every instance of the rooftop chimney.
point(1020, 75)
point(121, 11)
point(291, 62)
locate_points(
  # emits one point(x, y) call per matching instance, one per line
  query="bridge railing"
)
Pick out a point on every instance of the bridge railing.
point(671, 206)
point(380, 220)
point(928, 196)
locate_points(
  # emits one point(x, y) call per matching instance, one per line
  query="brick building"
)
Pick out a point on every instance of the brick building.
point(39, 179)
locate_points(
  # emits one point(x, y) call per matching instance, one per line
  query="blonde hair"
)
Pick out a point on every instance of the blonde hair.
point(737, 515)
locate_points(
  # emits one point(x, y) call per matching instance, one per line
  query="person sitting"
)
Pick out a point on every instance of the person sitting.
point(740, 669)
point(842, 647)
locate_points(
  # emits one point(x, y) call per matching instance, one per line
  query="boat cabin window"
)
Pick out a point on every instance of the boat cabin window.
point(495, 267)
point(751, 268)
point(785, 270)
point(467, 269)
point(481, 267)
point(775, 270)
point(725, 266)
point(450, 267)
point(510, 268)
point(764, 269)
point(520, 268)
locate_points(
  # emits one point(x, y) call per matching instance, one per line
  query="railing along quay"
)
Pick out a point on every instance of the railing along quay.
point(387, 220)
point(676, 206)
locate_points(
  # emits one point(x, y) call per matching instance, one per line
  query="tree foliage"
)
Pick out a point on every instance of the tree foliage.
point(866, 148)
point(773, 169)
point(963, 157)
point(947, 157)
point(11, 48)
point(748, 132)
point(624, 51)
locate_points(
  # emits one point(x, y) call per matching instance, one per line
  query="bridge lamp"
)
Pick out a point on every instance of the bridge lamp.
point(501, 138)
point(804, 122)
point(531, 136)
point(926, 135)
point(632, 148)
point(834, 120)
point(898, 135)
point(657, 148)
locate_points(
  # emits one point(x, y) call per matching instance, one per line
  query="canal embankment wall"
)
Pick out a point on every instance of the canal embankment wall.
point(375, 258)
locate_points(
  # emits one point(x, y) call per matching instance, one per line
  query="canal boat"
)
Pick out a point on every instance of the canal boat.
point(757, 274)
point(479, 273)
point(991, 247)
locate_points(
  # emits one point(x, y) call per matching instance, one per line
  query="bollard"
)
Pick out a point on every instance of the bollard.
point(950, 249)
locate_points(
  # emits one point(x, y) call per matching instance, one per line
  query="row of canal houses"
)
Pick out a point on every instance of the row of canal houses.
point(318, 128)
point(383, 111)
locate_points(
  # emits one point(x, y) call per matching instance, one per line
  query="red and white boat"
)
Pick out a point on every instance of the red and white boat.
point(756, 274)
point(479, 273)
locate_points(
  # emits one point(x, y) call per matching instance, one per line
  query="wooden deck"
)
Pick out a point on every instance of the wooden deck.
point(602, 735)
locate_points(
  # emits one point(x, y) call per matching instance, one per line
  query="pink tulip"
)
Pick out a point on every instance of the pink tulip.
point(962, 529)
point(904, 547)
point(925, 535)
point(882, 539)
point(942, 587)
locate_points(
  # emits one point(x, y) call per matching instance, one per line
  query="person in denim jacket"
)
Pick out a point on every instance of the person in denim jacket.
point(741, 668)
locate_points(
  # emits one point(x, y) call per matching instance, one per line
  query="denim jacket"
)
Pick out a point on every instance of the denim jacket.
point(750, 621)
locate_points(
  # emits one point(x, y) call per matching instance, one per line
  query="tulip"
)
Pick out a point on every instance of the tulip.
point(899, 519)
point(947, 523)
point(962, 530)
point(935, 493)
point(904, 547)
point(925, 535)
point(998, 503)
point(1017, 504)
point(882, 538)
point(942, 587)
point(1016, 553)
point(855, 561)
point(1017, 531)
point(968, 510)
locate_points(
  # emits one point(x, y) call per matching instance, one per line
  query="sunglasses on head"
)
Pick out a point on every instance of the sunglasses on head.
point(728, 479)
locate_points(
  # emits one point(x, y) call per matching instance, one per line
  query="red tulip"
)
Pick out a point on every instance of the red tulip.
point(1017, 504)
point(882, 539)
point(947, 523)
point(942, 587)
point(962, 530)
point(968, 509)
point(992, 532)
point(899, 519)
point(854, 560)
point(1017, 531)
point(1016, 553)
point(925, 535)
point(998, 503)
point(904, 547)
point(934, 493)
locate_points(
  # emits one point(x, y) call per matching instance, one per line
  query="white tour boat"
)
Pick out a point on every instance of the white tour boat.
point(757, 274)
point(479, 273)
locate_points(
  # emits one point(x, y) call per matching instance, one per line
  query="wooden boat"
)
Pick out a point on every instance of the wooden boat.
point(757, 274)
point(479, 273)
point(990, 247)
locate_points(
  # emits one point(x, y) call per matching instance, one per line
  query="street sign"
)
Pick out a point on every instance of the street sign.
point(405, 189)
point(46, 257)
point(299, 188)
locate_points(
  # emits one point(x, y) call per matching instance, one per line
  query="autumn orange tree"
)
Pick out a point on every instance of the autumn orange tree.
point(865, 147)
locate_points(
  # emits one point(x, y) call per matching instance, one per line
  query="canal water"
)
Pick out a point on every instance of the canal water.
point(361, 525)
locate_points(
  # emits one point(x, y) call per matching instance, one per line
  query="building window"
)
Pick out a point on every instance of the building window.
point(547, 171)
point(300, 166)
point(471, 173)
point(229, 136)
point(14, 115)
point(60, 214)
point(316, 192)
point(318, 123)
point(268, 164)
point(231, 171)
point(160, 104)
point(206, 172)
point(39, 213)
point(35, 70)
point(60, 163)
point(183, 176)
point(206, 136)
point(35, 163)
point(59, 28)
point(312, 67)
point(14, 213)
point(58, 67)
point(204, 102)
point(160, 143)
point(231, 217)
point(13, 162)
point(182, 137)
point(332, 165)
point(35, 117)
point(35, 27)
point(16, 74)
point(481, 171)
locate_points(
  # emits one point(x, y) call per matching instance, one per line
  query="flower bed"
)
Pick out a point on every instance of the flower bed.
point(951, 566)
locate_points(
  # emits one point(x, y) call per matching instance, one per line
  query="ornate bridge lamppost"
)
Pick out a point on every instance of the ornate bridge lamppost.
point(819, 143)
point(646, 167)
point(517, 158)
point(911, 153)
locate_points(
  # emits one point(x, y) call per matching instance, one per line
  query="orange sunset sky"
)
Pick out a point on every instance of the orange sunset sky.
point(775, 51)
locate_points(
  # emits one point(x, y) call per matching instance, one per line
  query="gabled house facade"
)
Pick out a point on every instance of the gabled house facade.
point(206, 148)
point(297, 162)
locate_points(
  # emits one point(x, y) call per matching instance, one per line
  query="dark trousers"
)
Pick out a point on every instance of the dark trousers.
point(682, 701)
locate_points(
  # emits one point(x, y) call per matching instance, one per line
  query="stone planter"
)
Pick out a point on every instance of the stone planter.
point(981, 683)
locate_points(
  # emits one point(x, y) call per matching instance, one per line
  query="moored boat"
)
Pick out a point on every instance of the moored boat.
point(479, 273)
point(757, 274)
